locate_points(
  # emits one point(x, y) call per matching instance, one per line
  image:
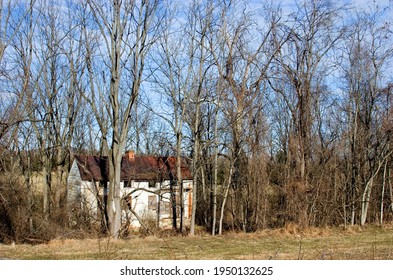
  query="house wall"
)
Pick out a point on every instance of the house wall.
point(89, 201)
point(81, 194)
point(74, 183)
point(187, 186)
point(145, 200)
point(147, 204)
point(139, 201)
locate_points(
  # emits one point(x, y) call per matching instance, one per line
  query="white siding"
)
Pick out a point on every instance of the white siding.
point(140, 193)
point(81, 194)
point(74, 183)
point(89, 203)
point(85, 193)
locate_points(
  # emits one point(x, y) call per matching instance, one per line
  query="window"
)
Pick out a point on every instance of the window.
point(152, 202)
point(165, 206)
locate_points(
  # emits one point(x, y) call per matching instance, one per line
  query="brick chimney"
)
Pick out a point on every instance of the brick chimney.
point(130, 154)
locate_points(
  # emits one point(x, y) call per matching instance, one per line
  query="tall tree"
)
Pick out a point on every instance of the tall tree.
point(367, 54)
point(310, 34)
point(127, 30)
point(12, 22)
point(243, 53)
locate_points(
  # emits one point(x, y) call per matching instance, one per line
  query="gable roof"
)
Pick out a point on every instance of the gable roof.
point(140, 168)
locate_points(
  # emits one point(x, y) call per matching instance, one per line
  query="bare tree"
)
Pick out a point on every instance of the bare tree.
point(200, 18)
point(310, 34)
point(47, 94)
point(12, 17)
point(55, 95)
point(126, 29)
point(243, 53)
point(368, 53)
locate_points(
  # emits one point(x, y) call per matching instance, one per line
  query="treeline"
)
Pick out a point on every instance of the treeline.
point(283, 112)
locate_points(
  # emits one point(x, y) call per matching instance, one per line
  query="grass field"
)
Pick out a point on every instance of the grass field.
point(355, 243)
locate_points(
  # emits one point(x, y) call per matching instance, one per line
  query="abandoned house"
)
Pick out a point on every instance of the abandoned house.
point(148, 188)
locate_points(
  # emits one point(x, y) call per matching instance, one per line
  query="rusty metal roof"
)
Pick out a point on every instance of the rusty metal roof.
point(141, 168)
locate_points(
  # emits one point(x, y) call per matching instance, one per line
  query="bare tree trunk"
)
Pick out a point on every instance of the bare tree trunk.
point(124, 28)
point(366, 200)
point(214, 202)
point(204, 194)
point(59, 176)
point(30, 198)
point(195, 173)
point(354, 166)
point(383, 193)
point(115, 155)
point(174, 205)
point(390, 191)
point(114, 209)
point(180, 181)
point(46, 183)
point(224, 201)
point(159, 207)
point(367, 191)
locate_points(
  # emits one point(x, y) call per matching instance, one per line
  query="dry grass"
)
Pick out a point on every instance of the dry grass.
point(292, 243)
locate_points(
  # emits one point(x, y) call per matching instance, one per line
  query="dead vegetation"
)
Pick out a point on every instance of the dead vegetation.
point(291, 242)
point(276, 153)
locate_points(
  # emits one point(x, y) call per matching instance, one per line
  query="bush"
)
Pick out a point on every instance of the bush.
point(15, 217)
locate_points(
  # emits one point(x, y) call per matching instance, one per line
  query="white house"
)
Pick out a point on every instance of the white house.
point(149, 188)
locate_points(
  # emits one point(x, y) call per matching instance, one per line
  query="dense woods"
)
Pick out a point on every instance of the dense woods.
point(283, 111)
